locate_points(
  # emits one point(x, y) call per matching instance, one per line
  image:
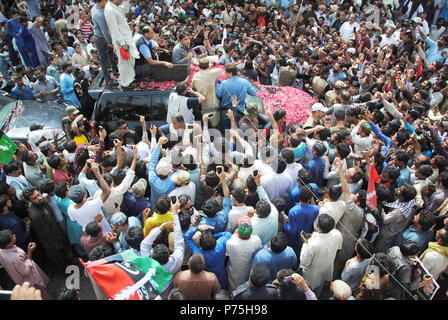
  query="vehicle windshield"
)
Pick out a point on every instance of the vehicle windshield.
point(49, 115)
point(6, 106)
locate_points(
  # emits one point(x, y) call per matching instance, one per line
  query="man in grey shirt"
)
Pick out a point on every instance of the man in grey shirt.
point(344, 105)
point(103, 42)
point(46, 88)
point(181, 52)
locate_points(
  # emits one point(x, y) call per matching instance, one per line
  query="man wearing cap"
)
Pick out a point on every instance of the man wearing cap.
point(71, 114)
point(258, 286)
point(240, 249)
point(159, 172)
point(103, 41)
point(46, 87)
point(84, 211)
point(330, 96)
point(120, 225)
point(148, 65)
point(204, 82)
point(316, 117)
point(361, 137)
point(134, 201)
point(183, 185)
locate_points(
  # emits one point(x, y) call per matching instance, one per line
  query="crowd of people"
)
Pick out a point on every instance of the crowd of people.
point(246, 207)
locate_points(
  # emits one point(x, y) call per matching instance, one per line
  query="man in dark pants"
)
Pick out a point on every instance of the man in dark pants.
point(103, 42)
point(149, 66)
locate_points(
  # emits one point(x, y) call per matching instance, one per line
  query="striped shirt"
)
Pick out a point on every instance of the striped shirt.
point(86, 29)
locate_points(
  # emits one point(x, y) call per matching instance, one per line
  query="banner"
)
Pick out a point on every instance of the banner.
point(7, 148)
point(371, 192)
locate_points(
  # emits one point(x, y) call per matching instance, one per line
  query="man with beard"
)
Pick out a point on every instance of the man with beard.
point(46, 87)
point(53, 240)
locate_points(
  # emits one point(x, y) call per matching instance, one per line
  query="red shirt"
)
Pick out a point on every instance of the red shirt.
point(60, 175)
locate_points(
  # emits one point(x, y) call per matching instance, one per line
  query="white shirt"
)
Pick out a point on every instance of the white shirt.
point(388, 40)
point(234, 215)
point(346, 30)
point(277, 185)
point(335, 209)
point(240, 253)
point(361, 143)
point(435, 263)
point(189, 189)
point(87, 213)
point(292, 170)
point(317, 257)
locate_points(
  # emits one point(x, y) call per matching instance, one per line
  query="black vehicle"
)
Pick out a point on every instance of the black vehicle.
point(16, 117)
point(127, 105)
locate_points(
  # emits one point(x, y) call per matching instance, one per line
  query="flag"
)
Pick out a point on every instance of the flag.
point(371, 193)
point(7, 148)
point(419, 68)
point(127, 276)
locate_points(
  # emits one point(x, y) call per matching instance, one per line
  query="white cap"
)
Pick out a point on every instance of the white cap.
point(318, 107)
point(351, 50)
point(417, 20)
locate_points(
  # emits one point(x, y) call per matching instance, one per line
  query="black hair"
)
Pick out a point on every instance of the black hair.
point(28, 192)
point(343, 150)
point(408, 192)
point(320, 149)
point(445, 180)
point(263, 208)
point(392, 171)
point(384, 263)
point(210, 208)
point(362, 197)
point(47, 186)
point(92, 229)
point(3, 201)
point(70, 146)
point(444, 237)
point(134, 237)
point(100, 252)
point(426, 220)
point(402, 156)
point(288, 155)
point(81, 157)
point(324, 134)
point(280, 204)
point(211, 179)
point(163, 204)
point(339, 115)
point(402, 137)
point(409, 248)
point(118, 176)
point(54, 161)
point(365, 249)
point(196, 263)
point(161, 254)
point(184, 220)
point(250, 184)
point(61, 189)
point(383, 193)
point(281, 275)
point(189, 162)
point(279, 242)
point(325, 222)
point(12, 166)
point(115, 135)
point(109, 160)
point(207, 241)
point(305, 194)
point(335, 192)
point(278, 164)
point(426, 170)
point(305, 176)
point(239, 194)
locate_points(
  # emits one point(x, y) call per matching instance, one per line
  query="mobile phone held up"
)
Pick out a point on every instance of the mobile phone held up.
point(173, 199)
point(288, 279)
point(219, 170)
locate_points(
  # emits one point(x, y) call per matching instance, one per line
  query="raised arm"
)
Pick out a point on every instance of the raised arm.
point(103, 184)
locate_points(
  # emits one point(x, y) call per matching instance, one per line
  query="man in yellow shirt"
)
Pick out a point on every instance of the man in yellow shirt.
point(161, 215)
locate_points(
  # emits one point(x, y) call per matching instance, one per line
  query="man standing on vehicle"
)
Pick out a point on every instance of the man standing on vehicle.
point(103, 42)
point(121, 34)
point(46, 87)
point(147, 64)
point(67, 82)
point(72, 112)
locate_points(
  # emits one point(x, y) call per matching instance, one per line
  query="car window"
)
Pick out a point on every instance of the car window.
point(152, 106)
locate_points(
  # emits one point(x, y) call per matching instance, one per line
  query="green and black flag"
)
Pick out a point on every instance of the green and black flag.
point(7, 148)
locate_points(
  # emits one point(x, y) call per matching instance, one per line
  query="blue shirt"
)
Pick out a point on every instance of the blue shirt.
point(300, 217)
point(132, 206)
point(219, 222)
point(434, 54)
point(159, 187)
point(316, 167)
point(294, 195)
point(20, 94)
point(144, 50)
point(12, 27)
point(421, 237)
point(405, 176)
point(234, 86)
point(215, 258)
point(275, 261)
point(17, 226)
point(67, 81)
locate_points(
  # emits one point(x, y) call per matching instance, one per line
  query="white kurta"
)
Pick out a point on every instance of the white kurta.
point(317, 257)
point(121, 35)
